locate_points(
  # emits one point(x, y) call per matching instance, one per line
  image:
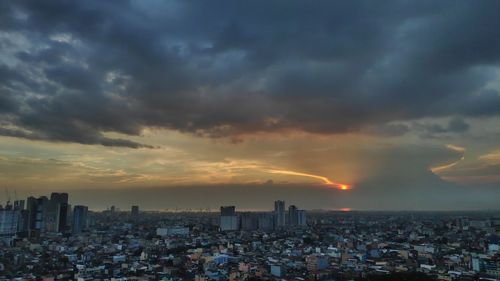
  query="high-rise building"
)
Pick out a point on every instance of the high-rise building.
point(228, 219)
point(69, 216)
point(19, 205)
point(302, 218)
point(296, 217)
point(135, 210)
point(9, 218)
point(227, 211)
point(266, 221)
point(23, 225)
point(293, 215)
point(249, 221)
point(80, 214)
point(56, 211)
point(63, 217)
point(279, 213)
point(36, 208)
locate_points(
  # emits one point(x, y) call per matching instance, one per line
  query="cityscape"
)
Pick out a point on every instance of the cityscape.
point(48, 239)
point(245, 140)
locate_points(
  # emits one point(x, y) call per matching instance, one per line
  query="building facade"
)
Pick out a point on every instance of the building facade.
point(279, 213)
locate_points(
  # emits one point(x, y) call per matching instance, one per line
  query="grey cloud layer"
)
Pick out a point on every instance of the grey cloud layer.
point(72, 70)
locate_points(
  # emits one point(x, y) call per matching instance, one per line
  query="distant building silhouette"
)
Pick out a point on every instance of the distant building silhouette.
point(134, 210)
point(227, 211)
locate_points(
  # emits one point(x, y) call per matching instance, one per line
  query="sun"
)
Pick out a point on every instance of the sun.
point(344, 187)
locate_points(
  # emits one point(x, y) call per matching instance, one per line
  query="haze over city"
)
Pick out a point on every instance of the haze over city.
point(362, 105)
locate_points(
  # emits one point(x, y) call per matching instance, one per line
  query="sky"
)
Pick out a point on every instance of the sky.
point(367, 105)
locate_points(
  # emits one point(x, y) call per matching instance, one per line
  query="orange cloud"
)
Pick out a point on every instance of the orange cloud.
point(447, 166)
point(451, 147)
point(325, 180)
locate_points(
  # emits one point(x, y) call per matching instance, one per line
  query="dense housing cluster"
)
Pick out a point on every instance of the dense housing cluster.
point(67, 243)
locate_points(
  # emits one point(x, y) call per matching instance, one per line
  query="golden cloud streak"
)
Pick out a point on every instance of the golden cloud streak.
point(456, 148)
point(325, 180)
point(447, 166)
point(451, 147)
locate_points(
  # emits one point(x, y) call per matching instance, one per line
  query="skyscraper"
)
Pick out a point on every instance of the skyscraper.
point(9, 218)
point(23, 225)
point(80, 214)
point(293, 215)
point(279, 213)
point(301, 218)
point(134, 211)
point(19, 205)
point(228, 219)
point(227, 211)
point(36, 208)
point(56, 212)
point(249, 221)
point(266, 221)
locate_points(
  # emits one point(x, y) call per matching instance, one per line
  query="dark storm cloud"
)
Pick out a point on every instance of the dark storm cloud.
point(455, 125)
point(389, 130)
point(458, 125)
point(79, 69)
point(82, 137)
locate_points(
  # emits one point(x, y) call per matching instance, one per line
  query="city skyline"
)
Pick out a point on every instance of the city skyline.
point(183, 104)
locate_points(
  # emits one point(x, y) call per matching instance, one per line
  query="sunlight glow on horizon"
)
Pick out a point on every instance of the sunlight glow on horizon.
point(325, 180)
